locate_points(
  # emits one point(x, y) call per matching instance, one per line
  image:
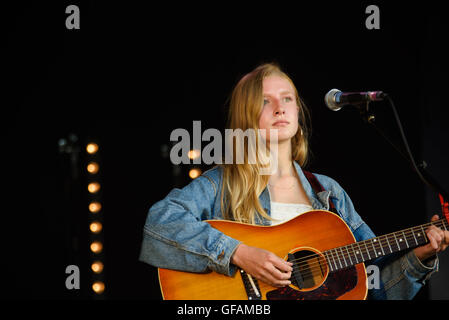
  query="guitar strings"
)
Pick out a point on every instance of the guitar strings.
point(340, 253)
point(385, 237)
point(315, 268)
point(320, 258)
point(409, 235)
point(309, 271)
point(338, 257)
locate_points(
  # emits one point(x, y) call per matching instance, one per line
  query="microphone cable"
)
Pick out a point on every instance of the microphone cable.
point(407, 147)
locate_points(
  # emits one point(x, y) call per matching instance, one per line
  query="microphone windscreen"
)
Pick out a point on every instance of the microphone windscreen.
point(329, 99)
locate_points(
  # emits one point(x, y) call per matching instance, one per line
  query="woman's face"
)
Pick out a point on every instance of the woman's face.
point(279, 110)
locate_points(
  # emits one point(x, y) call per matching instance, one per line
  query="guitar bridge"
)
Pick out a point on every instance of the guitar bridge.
point(251, 286)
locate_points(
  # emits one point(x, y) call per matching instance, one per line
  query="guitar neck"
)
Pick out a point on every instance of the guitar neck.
point(349, 255)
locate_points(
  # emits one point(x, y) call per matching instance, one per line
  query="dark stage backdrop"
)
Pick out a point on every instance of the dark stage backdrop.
point(132, 74)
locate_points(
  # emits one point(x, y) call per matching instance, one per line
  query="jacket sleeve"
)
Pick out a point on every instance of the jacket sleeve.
point(176, 237)
point(401, 275)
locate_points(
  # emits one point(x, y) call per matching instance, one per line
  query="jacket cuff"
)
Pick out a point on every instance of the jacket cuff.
point(419, 269)
point(221, 258)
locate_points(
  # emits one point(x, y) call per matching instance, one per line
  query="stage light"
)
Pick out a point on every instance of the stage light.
point(193, 154)
point(96, 247)
point(98, 287)
point(194, 173)
point(93, 167)
point(94, 207)
point(97, 266)
point(93, 187)
point(95, 227)
point(92, 148)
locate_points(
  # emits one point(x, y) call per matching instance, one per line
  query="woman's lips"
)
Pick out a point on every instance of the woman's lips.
point(281, 123)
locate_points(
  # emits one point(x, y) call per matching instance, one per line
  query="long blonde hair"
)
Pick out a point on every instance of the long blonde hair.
point(243, 183)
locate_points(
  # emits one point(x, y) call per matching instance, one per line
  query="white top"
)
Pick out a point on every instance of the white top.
point(282, 212)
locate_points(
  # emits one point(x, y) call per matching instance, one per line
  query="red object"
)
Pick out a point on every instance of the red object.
point(444, 208)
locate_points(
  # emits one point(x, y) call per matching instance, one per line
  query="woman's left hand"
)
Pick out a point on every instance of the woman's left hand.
point(438, 242)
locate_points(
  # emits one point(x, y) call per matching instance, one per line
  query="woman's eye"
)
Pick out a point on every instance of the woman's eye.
point(265, 101)
point(288, 99)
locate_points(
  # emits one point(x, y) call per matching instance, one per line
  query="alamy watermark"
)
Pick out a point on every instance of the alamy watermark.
point(373, 20)
point(73, 280)
point(73, 19)
point(234, 146)
point(373, 277)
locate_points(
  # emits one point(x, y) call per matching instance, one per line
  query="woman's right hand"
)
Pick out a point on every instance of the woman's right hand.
point(263, 265)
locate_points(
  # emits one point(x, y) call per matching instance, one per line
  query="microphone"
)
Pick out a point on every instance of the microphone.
point(335, 99)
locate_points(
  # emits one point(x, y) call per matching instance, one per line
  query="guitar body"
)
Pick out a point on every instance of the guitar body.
point(310, 233)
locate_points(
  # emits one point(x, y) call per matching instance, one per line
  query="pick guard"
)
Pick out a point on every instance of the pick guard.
point(336, 284)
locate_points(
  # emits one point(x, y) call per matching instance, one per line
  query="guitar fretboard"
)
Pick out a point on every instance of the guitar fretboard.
point(349, 255)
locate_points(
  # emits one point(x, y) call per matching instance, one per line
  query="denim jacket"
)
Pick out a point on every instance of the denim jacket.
point(176, 236)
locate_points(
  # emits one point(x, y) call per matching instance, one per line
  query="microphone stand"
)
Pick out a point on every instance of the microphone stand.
point(369, 117)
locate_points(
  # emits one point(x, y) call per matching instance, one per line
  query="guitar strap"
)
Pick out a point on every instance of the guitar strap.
point(317, 187)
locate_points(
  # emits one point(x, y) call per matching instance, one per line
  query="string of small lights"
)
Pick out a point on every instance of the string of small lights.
point(95, 220)
point(194, 172)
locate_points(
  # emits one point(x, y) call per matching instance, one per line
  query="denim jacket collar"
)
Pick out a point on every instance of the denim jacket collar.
point(319, 201)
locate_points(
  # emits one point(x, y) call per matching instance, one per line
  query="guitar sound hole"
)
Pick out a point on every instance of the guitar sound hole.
point(309, 269)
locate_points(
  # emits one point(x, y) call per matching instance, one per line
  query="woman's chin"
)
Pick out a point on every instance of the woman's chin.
point(281, 140)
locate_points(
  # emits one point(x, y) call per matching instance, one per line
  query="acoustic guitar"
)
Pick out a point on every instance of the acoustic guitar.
point(327, 261)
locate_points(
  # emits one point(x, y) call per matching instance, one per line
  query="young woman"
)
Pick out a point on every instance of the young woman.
point(177, 237)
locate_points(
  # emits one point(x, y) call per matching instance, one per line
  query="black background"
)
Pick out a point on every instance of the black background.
point(133, 73)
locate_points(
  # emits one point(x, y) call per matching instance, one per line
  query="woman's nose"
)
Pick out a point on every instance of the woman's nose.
point(279, 109)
